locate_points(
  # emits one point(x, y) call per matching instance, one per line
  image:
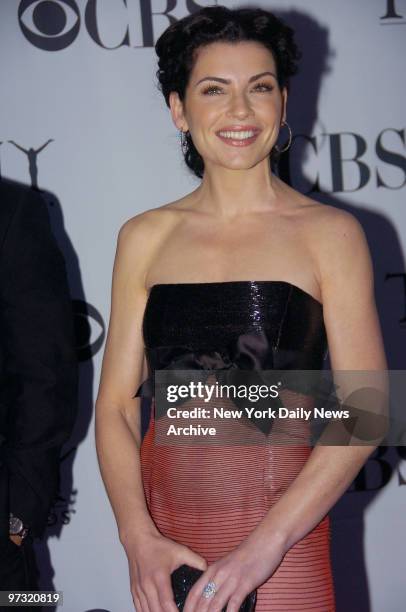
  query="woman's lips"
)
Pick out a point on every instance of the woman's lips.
point(233, 142)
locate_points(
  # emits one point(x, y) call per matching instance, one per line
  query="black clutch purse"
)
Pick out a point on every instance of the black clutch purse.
point(184, 577)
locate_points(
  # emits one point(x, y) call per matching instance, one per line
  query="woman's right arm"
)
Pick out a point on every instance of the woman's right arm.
point(118, 426)
point(117, 413)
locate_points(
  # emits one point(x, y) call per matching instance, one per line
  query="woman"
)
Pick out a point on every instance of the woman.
point(244, 260)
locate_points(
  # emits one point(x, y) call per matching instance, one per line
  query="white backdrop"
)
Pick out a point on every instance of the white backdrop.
point(82, 73)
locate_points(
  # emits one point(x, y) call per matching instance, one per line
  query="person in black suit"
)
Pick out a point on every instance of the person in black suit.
point(38, 378)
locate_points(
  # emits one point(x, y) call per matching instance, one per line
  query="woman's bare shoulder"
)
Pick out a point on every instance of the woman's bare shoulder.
point(141, 236)
point(335, 236)
point(331, 224)
point(325, 221)
point(150, 224)
point(311, 213)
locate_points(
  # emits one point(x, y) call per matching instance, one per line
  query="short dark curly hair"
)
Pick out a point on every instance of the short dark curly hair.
point(176, 50)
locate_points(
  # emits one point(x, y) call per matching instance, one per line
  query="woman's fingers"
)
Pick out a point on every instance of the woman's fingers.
point(218, 601)
point(195, 596)
point(144, 602)
point(225, 592)
point(150, 573)
point(158, 594)
point(195, 560)
point(229, 592)
point(230, 597)
point(137, 603)
point(150, 588)
point(165, 594)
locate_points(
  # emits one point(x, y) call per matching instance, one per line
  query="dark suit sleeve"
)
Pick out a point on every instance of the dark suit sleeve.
point(40, 360)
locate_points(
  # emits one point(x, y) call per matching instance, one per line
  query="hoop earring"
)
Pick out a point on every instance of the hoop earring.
point(286, 147)
point(183, 141)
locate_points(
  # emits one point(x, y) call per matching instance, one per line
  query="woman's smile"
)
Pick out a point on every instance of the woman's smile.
point(238, 139)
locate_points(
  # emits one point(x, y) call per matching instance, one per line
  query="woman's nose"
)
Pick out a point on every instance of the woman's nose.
point(239, 105)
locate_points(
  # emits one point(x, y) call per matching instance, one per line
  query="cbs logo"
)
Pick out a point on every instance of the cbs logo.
point(53, 25)
point(49, 25)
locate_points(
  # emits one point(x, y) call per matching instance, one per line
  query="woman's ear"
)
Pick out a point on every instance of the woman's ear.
point(177, 113)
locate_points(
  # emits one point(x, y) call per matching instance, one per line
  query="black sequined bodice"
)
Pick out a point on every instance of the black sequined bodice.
point(244, 324)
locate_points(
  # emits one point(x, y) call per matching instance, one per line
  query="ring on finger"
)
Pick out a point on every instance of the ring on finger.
point(209, 590)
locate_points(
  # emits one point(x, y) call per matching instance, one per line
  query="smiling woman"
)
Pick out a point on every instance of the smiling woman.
point(243, 273)
point(180, 45)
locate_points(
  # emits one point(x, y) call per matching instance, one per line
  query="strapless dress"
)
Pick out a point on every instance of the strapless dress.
point(210, 497)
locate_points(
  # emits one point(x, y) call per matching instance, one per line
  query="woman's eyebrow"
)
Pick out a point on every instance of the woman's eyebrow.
point(227, 81)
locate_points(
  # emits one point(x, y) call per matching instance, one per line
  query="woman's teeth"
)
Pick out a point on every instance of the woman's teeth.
point(237, 135)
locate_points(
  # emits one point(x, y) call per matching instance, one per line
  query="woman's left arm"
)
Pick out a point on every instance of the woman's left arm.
point(355, 343)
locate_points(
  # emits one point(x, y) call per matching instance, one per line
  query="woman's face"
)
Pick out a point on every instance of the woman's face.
point(232, 86)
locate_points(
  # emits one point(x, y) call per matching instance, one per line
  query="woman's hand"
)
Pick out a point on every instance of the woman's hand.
point(237, 574)
point(151, 560)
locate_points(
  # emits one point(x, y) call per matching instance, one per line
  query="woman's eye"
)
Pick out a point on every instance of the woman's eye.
point(213, 88)
point(210, 89)
point(267, 87)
